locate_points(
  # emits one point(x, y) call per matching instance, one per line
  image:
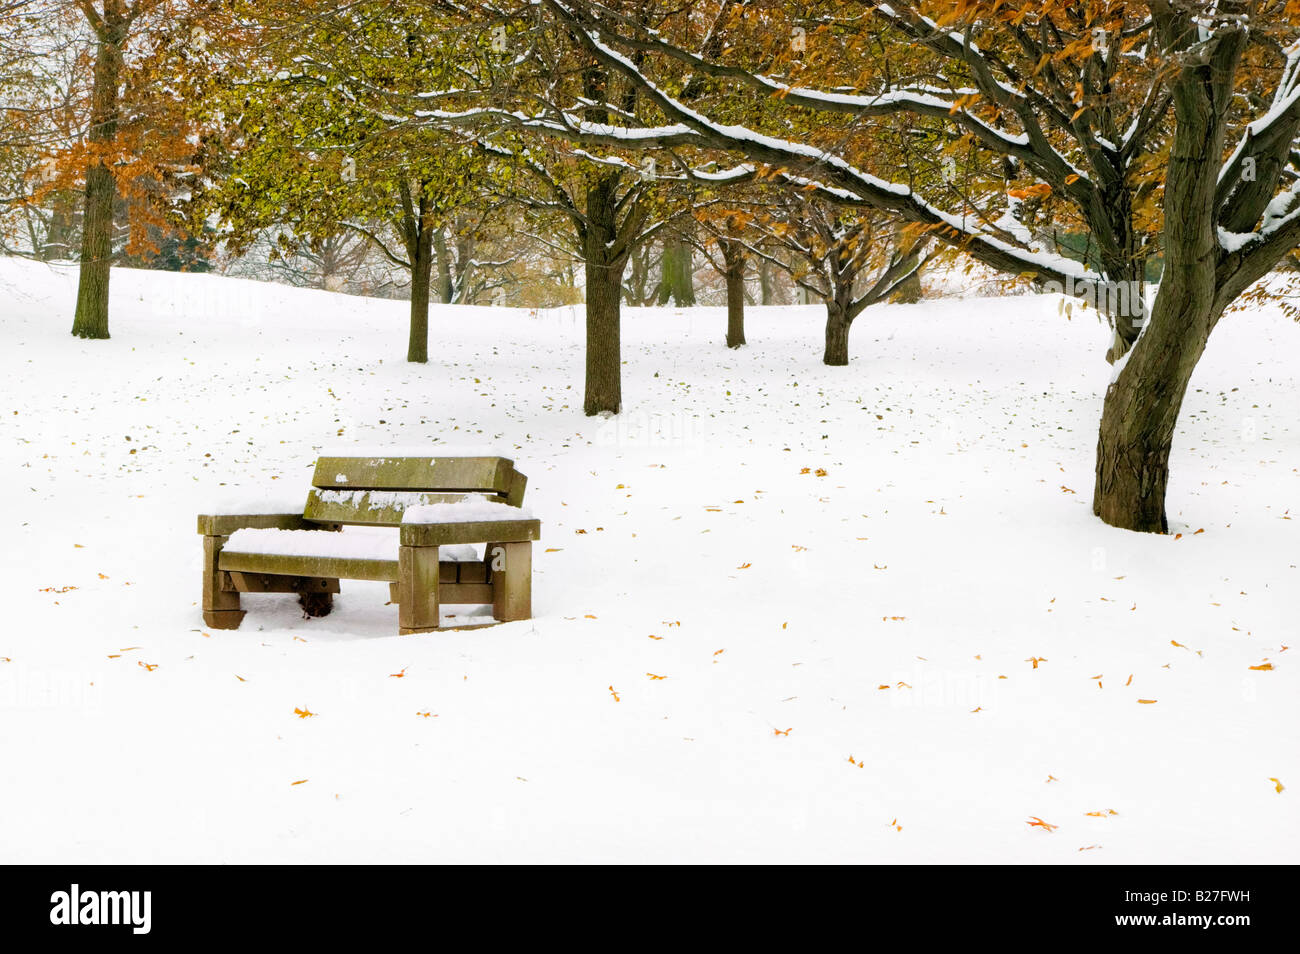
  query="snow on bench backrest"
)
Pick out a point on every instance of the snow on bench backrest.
point(378, 490)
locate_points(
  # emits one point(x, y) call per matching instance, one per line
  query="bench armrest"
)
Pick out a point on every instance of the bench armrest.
point(224, 524)
point(431, 534)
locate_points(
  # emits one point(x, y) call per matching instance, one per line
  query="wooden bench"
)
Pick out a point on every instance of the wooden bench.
point(440, 505)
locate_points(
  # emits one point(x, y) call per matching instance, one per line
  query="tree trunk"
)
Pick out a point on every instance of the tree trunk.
point(1142, 403)
point(837, 334)
point(604, 388)
point(733, 257)
point(604, 270)
point(444, 266)
point(58, 238)
point(417, 348)
point(91, 319)
point(678, 281)
point(909, 292)
point(766, 287)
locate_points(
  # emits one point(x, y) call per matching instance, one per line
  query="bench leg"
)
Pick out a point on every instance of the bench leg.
point(417, 589)
point(220, 607)
point(512, 580)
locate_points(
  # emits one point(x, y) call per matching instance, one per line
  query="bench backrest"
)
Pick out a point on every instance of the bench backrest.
point(376, 491)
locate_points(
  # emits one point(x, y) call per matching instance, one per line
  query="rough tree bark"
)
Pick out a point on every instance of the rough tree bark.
point(91, 318)
point(838, 319)
point(1142, 403)
point(733, 257)
point(604, 261)
point(418, 236)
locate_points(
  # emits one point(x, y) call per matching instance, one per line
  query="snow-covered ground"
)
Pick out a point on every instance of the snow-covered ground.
point(784, 612)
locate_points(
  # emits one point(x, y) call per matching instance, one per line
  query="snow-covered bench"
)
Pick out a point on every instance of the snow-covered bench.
point(441, 507)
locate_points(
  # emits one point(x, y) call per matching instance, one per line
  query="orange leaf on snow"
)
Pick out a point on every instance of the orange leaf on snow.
point(1147, 702)
point(1263, 667)
point(1036, 822)
point(299, 782)
point(614, 693)
point(1036, 660)
point(779, 732)
point(303, 713)
point(1278, 786)
point(653, 676)
point(398, 675)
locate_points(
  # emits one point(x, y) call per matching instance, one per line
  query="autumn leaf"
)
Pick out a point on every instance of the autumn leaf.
point(398, 675)
point(1278, 786)
point(779, 732)
point(613, 692)
point(654, 677)
point(303, 713)
point(1263, 667)
point(1036, 822)
point(148, 667)
point(1036, 660)
point(1147, 702)
point(1106, 813)
point(426, 715)
point(299, 782)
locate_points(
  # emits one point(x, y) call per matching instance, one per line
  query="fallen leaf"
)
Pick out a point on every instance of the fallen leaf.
point(1263, 667)
point(299, 782)
point(302, 713)
point(653, 676)
point(1036, 822)
point(1147, 702)
point(614, 693)
point(1279, 787)
point(779, 732)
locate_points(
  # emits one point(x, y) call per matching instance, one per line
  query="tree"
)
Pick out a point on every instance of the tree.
point(1121, 114)
point(311, 149)
point(832, 252)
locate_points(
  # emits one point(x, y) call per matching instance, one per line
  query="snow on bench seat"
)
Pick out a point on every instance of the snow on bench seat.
point(465, 511)
point(350, 544)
